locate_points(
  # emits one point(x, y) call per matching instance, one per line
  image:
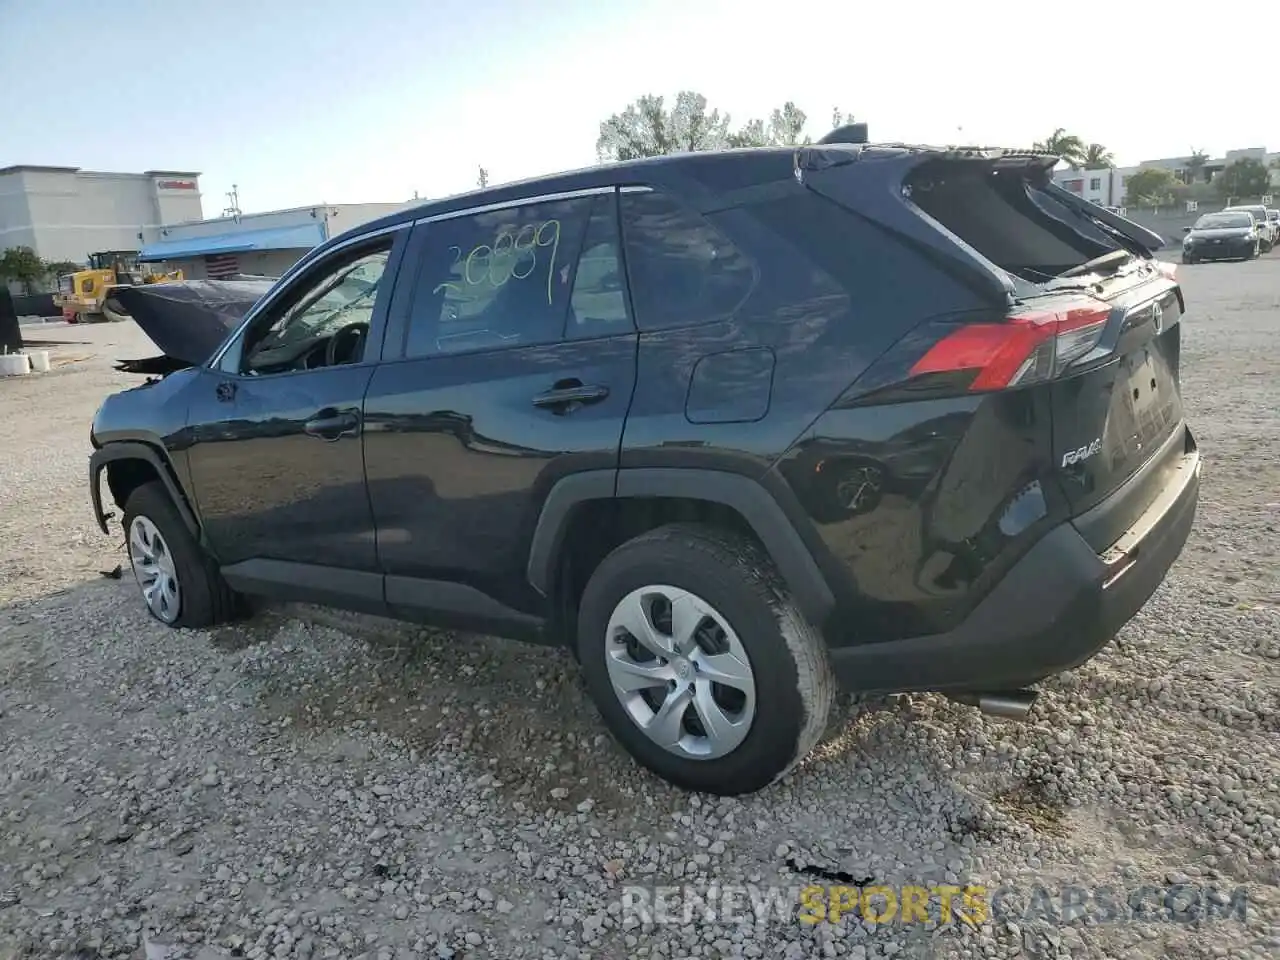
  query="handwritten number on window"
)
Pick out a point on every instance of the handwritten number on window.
point(510, 256)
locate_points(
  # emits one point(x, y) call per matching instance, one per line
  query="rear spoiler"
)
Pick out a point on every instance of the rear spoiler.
point(1135, 232)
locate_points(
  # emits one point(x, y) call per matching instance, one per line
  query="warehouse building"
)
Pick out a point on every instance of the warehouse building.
point(66, 213)
point(263, 244)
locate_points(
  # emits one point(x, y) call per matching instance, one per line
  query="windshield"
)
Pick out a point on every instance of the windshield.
point(1222, 221)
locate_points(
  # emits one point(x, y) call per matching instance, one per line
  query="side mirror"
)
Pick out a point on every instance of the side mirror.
point(1186, 229)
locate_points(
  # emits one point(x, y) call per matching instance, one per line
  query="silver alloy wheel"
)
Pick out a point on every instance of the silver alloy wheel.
point(680, 672)
point(154, 568)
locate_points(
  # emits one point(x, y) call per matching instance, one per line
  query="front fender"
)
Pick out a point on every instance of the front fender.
point(159, 462)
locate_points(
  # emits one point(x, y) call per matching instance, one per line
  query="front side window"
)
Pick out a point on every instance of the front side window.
point(501, 278)
point(325, 324)
point(682, 269)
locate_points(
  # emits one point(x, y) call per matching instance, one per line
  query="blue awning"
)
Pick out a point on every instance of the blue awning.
point(301, 237)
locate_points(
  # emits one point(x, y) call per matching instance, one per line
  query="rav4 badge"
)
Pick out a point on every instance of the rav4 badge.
point(1081, 453)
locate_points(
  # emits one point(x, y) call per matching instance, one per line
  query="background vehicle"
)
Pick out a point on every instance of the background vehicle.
point(1266, 232)
point(588, 410)
point(87, 296)
point(1229, 235)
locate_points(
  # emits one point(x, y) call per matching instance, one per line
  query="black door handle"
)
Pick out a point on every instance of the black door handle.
point(225, 391)
point(330, 424)
point(566, 397)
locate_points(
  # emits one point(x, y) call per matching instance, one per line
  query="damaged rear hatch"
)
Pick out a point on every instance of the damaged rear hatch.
point(1079, 302)
point(187, 320)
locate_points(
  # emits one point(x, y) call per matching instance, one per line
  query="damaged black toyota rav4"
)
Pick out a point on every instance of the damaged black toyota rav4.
point(738, 428)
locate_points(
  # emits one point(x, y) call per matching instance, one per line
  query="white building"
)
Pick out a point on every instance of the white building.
point(264, 244)
point(1104, 186)
point(1107, 186)
point(66, 213)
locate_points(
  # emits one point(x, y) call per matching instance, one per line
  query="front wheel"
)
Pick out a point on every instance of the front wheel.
point(180, 583)
point(699, 661)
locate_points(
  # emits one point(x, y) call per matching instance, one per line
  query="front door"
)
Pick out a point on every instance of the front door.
point(519, 363)
point(276, 459)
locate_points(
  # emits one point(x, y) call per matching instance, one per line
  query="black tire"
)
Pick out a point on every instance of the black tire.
point(794, 685)
point(205, 600)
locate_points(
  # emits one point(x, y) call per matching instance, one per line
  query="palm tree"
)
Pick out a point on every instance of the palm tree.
point(1097, 156)
point(1066, 145)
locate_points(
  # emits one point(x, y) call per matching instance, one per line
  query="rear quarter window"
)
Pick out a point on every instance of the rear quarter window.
point(887, 281)
point(682, 270)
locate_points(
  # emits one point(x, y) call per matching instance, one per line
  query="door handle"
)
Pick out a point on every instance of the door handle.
point(570, 395)
point(330, 424)
point(225, 391)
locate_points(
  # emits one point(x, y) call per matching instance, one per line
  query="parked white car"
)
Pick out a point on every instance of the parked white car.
point(1266, 228)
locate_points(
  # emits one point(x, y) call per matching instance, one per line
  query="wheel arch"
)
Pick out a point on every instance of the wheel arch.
point(128, 464)
point(730, 495)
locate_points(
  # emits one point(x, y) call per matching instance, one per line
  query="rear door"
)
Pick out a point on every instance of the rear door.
point(516, 367)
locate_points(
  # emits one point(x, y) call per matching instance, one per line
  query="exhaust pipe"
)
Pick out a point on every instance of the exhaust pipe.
point(1012, 704)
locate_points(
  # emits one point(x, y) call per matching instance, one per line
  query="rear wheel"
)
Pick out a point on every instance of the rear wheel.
point(700, 663)
point(180, 583)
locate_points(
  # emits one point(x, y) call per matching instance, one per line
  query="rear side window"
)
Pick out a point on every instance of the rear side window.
point(887, 281)
point(598, 306)
point(682, 269)
point(501, 278)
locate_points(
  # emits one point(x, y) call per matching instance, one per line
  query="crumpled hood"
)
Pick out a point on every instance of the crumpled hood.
point(188, 319)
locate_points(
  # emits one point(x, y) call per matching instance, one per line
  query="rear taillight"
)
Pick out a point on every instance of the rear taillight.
point(1025, 348)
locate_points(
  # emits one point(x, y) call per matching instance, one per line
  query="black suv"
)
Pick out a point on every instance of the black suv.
point(735, 427)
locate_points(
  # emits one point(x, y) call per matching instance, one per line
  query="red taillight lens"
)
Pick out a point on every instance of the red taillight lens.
point(1025, 348)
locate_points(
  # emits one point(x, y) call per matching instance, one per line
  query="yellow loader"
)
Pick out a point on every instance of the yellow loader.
point(86, 295)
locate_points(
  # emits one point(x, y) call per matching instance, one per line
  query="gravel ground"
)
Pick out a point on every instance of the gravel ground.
point(315, 785)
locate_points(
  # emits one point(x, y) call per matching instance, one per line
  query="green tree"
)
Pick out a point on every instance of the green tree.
point(1066, 145)
point(840, 118)
point(784, 128)
point(22, 265)
point(1245, 179)
point(1096, 156)
point(1195, 165)
point(57, 268)
point(648, 128)
point(1150, 186)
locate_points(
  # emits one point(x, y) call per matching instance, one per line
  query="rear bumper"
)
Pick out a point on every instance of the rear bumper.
point(1057, 607)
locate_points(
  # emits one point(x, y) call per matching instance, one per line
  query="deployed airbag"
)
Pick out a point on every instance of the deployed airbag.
point(188, 319)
